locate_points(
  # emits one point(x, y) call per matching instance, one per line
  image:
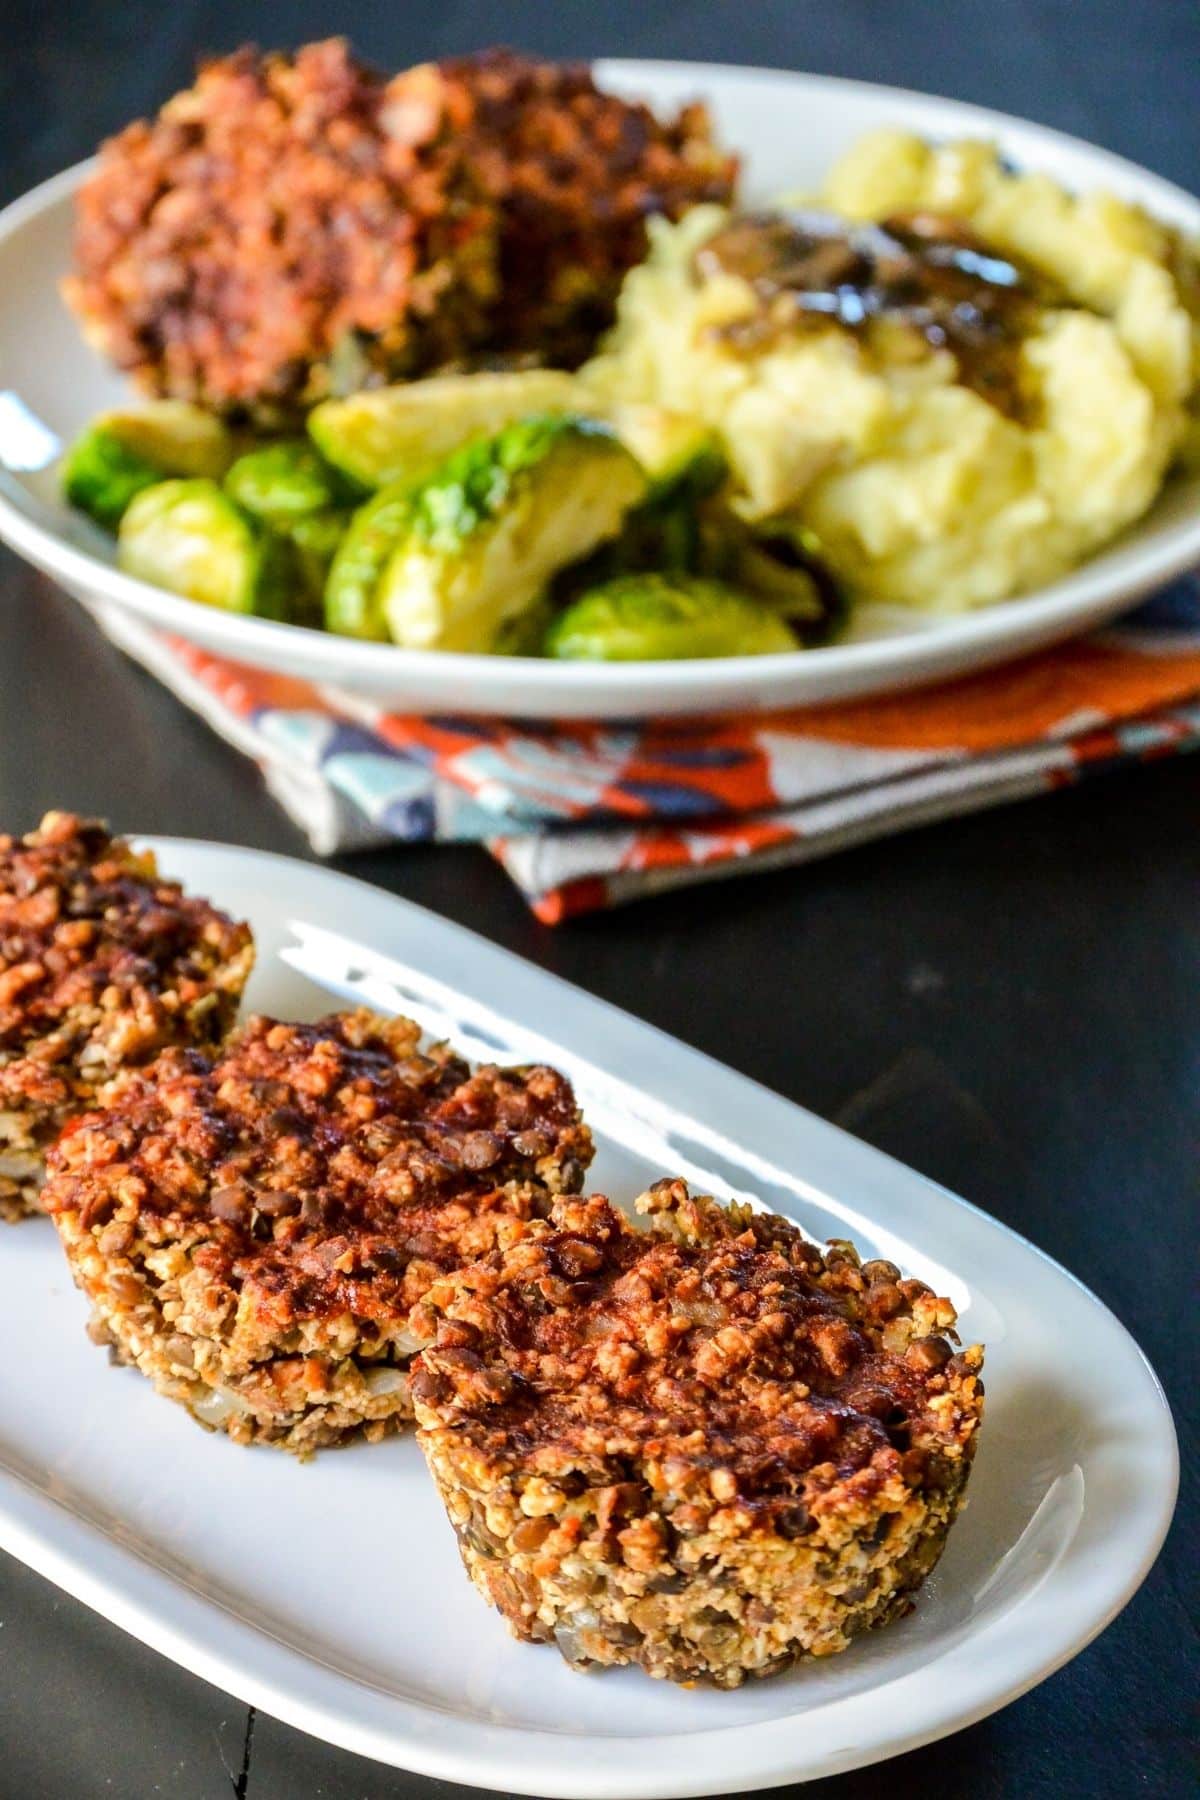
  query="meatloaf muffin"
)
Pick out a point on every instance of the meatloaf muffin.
point(253, 1228)
point(264, 240)
point(709, 1449)
point(102, 965)
point(293, 227)
point(573, 174)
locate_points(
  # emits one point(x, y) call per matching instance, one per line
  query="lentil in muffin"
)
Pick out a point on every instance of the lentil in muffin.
point(263, 240)
point(253, 1227)
point(291, 227)
point(103, 963)
point(709, 1449)
point(573, 174)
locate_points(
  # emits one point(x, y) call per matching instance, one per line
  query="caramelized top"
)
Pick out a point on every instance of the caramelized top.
point(295, 225)
point(573, 173)
point(264, 223)
point(925, 272)
point(721, 1354)
point(101, 960)
point(337, 1165)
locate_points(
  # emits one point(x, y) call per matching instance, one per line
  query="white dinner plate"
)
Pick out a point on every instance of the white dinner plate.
point(331, 1595)
point(789, 128)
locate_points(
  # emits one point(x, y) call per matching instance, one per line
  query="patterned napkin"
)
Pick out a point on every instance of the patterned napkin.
point(587, 816)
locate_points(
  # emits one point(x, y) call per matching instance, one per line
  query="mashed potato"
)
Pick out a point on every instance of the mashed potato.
point(921, 491)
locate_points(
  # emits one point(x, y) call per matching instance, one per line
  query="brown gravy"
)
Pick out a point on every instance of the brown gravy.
point(924, 271)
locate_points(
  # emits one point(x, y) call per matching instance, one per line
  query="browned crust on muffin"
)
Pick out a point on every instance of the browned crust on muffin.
point(253, 1228)
point(710, 1450)
point(573, 174)
point(103, 964)
point(294, 226)
point(264, 224)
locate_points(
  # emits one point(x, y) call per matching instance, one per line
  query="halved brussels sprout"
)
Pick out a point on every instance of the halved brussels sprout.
point(525, 633)
point(486, 533)
point(121, 453)
point(667, 539)
point(684, 466)
point(190, 537)
point(352, 599)
point(284, 482)
point(402, 433)
point(315, 541)
point(101, 476)
point(780, 565)
point(292, 490)
point(651, 618)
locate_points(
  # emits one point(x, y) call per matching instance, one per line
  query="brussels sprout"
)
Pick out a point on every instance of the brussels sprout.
point(101, 476)
point(486, 533)
point(173, 436)
point(678, 453)
point(283, 482)
point(352, 599)
point(404, 432)
point(296, 495)
point(190, 537)
point(648, 618)
point(780, 565)
point(315, 541)
point(684, 465)
point(121, 453)
point(664, 539)
point(525, 633)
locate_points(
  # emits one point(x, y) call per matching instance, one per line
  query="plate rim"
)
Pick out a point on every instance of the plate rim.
point(244, 1660)
point(1087, 595)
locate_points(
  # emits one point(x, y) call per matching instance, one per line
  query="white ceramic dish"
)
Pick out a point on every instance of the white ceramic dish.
point(789, 127)
point(331, 1594)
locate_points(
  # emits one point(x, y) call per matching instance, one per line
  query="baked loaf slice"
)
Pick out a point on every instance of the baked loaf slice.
point(253, 1228)
point(572, 174)
point(708, 1448)
point(102, 965)
point(291, 227)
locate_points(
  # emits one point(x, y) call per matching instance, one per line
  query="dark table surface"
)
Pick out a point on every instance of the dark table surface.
point(1009, 1002)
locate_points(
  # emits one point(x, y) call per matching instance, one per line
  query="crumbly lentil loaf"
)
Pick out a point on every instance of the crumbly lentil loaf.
point(102, 965)
point(709, 1449)
point(573, 173)
point(253, 1228)
point(264, 239)
point(289, 227)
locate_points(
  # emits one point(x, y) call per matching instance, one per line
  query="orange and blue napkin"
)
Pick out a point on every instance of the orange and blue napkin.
point(587, 816)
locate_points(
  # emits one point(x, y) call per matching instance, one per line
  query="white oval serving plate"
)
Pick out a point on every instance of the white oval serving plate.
point(789, 129)
point(331, 1594)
